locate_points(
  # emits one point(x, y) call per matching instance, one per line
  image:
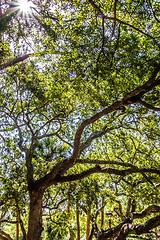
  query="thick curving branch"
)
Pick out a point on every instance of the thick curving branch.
point(145, 212)
point(128, 99)
point(94, 118)
point(106, 170)
point(121, 231)
point(138, 228)
point(50, 178)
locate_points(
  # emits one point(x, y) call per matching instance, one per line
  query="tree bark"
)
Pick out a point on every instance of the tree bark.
point(35, 215)
point(17, 226)
point(102, 213)
point(4, 235)
point(88, 223)
point(21, 224)
point(78, 223)
point(121, 231)
point(70, 230)
point(14, 61)
point(128, 207)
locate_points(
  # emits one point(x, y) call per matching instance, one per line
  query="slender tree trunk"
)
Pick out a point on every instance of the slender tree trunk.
point(78, 223)
point(17, 226)
point(88, 223)
point(102, 213)
point(128, 207)
point(35, 216)
point(68, 207)
point(23, 230)
point(110, 226)
point(70, 230)
point(21, 224)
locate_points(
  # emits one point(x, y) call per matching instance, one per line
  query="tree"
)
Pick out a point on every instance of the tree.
point(90, 96)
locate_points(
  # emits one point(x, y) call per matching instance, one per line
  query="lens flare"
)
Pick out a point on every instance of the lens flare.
point(25, 6)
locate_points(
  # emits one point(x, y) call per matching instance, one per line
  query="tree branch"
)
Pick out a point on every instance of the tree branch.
point(21, 222)
point(7, 236)
point(146, 87)
point(122, 22)
point(138, 228)
point(85, 123)
point(8, 221)
point(58, 204)
point(128, 99)
point(2, 137)
point(154, 14)
point(50, 178)
point(29, 165)
point(96, 161)
point(98, 169)
point(14, 61)
point(93, 136)
point(145, 212)
point(121, 229)
point(149, 106)
point(64, 140)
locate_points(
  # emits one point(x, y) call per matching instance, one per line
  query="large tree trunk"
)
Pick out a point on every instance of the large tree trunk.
point(35, 216)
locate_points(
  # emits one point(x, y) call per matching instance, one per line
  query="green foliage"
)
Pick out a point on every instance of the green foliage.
point(79, 65)
point(58, 230)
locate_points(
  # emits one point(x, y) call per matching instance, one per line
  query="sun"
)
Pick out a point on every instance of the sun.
point(25, 6)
